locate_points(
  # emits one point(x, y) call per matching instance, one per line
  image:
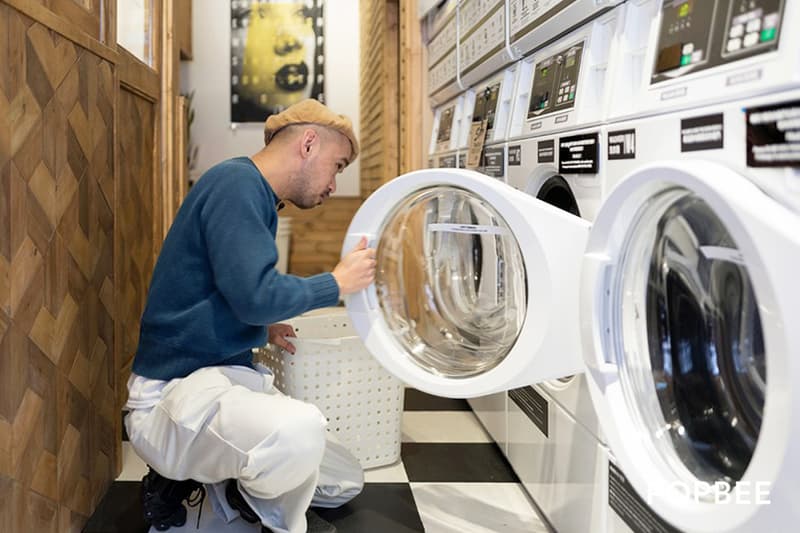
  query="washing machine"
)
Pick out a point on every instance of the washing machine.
point(448, 118)
point(558, 124)
point(477, 288)
point(489, 118)
point(533, 24)
point(561, 102)
point(465, 309)
point(724, 435)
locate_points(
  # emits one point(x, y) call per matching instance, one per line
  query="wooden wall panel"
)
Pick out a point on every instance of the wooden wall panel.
point(86, 14)
point(136, 219)
point(416, 118)
point(56, 261)
point(317, 235)
point(379, 93)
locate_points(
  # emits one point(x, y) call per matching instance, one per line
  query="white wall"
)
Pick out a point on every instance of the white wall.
point(208, 74)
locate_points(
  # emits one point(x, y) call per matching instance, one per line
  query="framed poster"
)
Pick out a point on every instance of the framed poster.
point(277, 56)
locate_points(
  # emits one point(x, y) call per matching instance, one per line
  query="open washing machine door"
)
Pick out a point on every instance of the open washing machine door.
point(689, 314)
point(477, 284)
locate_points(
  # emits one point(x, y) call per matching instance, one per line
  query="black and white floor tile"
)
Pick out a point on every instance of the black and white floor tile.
point(451, 479)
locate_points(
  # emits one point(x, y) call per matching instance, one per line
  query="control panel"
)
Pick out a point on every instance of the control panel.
point(555, 82)
point(695, 35)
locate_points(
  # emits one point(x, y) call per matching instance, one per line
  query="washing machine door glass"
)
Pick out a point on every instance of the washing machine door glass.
point(467, 305)
point(692, 337)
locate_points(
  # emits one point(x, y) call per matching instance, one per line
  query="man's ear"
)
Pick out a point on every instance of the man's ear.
point(307, 142)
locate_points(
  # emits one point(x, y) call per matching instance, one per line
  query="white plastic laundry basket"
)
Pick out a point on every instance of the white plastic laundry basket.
point(332, 369)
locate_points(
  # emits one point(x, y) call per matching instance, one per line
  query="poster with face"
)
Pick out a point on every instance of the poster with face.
point(277, 56)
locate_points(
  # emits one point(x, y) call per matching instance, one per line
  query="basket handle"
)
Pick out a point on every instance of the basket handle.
point(299, 341)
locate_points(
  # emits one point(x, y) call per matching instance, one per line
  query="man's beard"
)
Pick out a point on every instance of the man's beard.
point(310, 202)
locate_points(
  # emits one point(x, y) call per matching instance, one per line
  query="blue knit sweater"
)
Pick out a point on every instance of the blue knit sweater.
point(214, 287)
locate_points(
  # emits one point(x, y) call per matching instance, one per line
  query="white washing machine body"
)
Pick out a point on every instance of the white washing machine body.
point(534, 24)
point(557, 142)
point(560, 463)
point(566, 84)
point(675, 55)
point(563, 473)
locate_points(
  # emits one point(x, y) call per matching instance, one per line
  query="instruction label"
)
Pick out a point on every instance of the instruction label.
point(472, 229)
point(515, 155)
point(702, 133)
point(546, 151)
point(534, 405)
point(622, 144)
point(579, 154)
point(773, 135)
point(494, 161)
point(629, 506)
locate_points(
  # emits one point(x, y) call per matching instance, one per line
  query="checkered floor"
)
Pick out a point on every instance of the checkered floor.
point(451, 479)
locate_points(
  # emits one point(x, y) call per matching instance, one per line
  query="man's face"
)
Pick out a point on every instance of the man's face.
point(329, 155)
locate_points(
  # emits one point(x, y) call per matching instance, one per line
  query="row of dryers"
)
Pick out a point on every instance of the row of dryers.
point(623, 263)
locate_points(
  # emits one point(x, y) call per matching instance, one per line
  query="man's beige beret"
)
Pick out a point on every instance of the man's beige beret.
point(311, 111)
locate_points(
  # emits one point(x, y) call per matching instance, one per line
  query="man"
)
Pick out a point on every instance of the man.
point(200, 413)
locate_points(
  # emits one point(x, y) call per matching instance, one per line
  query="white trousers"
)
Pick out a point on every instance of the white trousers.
point(221, 423)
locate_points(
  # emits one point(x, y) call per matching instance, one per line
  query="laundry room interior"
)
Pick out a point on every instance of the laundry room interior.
point(578, 229)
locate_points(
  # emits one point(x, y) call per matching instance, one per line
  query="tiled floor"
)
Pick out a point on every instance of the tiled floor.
point(451, 479)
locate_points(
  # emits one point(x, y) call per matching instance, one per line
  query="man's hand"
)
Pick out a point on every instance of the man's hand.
point(277, 334)
point(356, 270)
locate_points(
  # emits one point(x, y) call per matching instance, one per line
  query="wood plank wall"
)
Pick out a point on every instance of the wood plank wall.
point(57, 409)
point(380, 151)
point(317, 235)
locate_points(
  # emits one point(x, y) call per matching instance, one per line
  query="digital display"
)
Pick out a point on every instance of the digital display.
point(685, 33)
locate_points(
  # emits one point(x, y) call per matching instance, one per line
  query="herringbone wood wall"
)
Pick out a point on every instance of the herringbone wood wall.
point(57, 409)
point(136, 219)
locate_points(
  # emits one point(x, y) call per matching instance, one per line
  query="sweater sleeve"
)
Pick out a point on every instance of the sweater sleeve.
point(242, 252)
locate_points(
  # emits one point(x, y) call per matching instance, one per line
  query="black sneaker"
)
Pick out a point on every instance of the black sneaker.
point(163, 498)
point(237, 501)
point(317, 524)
